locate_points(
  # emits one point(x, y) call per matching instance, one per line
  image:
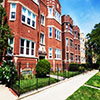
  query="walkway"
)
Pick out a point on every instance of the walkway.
point(92, 87)
point(64, 89)
point(5, 93)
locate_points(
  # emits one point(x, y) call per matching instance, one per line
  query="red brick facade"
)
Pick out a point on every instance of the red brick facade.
point(71, 37)
point(44, 37)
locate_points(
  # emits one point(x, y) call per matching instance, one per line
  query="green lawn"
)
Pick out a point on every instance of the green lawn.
point(30, 84)
point(94, 81)
point(85, 93)
point(67, 74)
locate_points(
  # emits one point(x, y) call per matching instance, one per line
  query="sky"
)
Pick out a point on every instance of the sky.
point(85, 13)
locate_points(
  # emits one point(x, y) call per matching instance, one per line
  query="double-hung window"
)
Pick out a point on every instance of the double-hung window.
point(75, 34)
point(23, 14)
point(29, 18)
point(42, 38)
point(50, 12)
point(71, 43)
point(42, 20)
point(50, 32)
point(57, 16)
point(71, 30)
point(33, 20)
point(27, 47)
point(71, 56)
point(10, 49)
point(50, 52)
point(12, 11)
point(67, 56)
point(76, 58)
point(58, 53)
point(66, 27)
point(66, 41)
point(75, 46)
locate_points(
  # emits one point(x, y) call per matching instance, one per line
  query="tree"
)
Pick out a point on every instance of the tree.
point(5, 33)
point(94, 41)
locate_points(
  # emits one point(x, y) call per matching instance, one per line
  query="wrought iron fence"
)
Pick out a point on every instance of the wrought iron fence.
point(28, 81)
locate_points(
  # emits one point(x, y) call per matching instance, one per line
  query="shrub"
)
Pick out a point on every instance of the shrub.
point(42, 68)
point(9, 73)
point(74, 67)
point(81, 69)
point(1, 76)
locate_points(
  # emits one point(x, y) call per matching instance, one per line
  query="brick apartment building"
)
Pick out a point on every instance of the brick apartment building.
point(39, 33)
point(70, 41)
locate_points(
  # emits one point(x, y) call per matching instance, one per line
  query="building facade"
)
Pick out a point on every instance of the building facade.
point(40, 32)
point(82, 46)
point(70, 41)
point(36, 29)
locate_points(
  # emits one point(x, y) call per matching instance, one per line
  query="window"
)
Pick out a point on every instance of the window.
point(76, 58)
point(50, 12)
point(57, 53)
point(75, 35)
point(79, 58)
point(67, 56)
point(57, 34)
point(75, 46)
point(50, 52)
point(78, 36)
point(57, 16)
point(71, 30)
point(42, 38)
point(10, 49)
point(71, 43)
point(28, 18)
point(42, 20)
point(27, 48)
point(22, 46)
point(78, 47)
point(50, 32)
point(66, 28)
point(71, 56)
point(66, 41)
point(12, 11)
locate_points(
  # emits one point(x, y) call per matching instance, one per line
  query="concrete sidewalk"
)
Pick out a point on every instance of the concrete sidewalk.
point(64, 89)
point(5, 93)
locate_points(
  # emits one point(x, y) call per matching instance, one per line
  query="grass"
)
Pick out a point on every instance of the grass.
point(30, 84)
point(94, 81)
point(85, 93)
point(67, 74)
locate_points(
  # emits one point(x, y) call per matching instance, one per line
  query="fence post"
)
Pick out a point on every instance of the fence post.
point(11, 74)
point(57, 72)
point(49, 76)
point(36, 82)
point(19, 79)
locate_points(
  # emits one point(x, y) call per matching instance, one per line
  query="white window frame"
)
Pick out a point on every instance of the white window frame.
point(11, 46)
point(13, 10)
point(50, 53)
point(50, 14)
point(24, 47)
point(57, 34)
point(41, 40)
point(57, 53)
point(26, 17)
point(44, 20)
point(67, 42)
point(71, 30)
point(51, 32)
point(57, 16)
